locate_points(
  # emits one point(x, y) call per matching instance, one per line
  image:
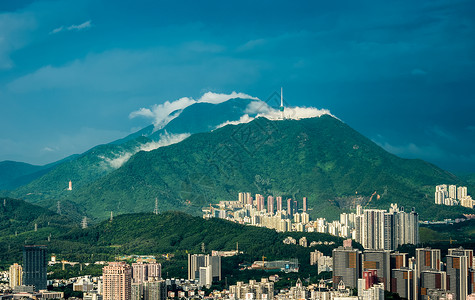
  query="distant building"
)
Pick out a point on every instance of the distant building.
point(346, 266)
point(457, 275)
point(155, 290)
point(35, 265)
point(270, 204)
point(252, 290)
point(16, 274)
point(378, 260)
point(117, 277)
point(402, 283)
point(142, 272)
point(314, 256)
point(198, 261)
point(325, 264)
point(279, 203)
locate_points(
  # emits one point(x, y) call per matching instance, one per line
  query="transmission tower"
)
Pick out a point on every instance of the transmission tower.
point(58, 208)
point(112, 216)
point(155, 211)
point(84, 223)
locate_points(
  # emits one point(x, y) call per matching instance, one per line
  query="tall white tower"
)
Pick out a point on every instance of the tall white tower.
point(281, 108)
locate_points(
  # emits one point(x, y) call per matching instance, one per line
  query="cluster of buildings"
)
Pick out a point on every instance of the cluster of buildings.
point(29, 280)
point(373, 228)
point(265, 289)
point(141, 280)
point(452, 195)
point(263, 212)
point(423, 277)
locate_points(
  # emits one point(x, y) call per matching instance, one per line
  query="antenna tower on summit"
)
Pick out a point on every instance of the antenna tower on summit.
point(281, 108)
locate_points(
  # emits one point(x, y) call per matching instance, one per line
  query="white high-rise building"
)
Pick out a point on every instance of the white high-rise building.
point(453, 191)
point(461, 192)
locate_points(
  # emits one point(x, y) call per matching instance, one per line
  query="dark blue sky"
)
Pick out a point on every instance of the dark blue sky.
point(400, 72)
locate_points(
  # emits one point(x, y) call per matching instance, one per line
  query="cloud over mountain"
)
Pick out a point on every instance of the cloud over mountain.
point(163, 113)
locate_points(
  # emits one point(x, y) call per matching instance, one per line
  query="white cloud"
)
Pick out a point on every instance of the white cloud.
point(261, 109)
point(162, 113)
point(243, 119)
point(74, 27)
point(166, 139)
point(216, 98)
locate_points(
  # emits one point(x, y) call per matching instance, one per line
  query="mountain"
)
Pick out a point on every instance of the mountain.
point(319, 158)
point(50, 185)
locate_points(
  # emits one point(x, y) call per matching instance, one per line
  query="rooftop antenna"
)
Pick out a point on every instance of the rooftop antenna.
point(282, 102)
point(155, 211)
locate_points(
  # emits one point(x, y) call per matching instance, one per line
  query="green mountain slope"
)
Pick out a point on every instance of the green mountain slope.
point(320, 158)
point(170, 232)
point(18, 216)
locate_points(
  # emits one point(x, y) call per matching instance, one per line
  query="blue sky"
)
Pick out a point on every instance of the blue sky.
point(400, 72)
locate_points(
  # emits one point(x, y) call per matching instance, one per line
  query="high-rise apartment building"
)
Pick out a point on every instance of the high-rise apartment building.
point(154, 289)
point(304, 204)
point(16, 274)
point(453, 191)
point(289, 207)
point(117, 278)
point(279, 203)
point(35, 264)
point(141, 272)
point(270, 204)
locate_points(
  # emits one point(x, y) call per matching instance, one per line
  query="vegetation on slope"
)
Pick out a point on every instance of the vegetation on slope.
point(320, 158)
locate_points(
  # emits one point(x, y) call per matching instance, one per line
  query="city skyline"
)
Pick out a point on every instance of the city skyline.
point(73, 72)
